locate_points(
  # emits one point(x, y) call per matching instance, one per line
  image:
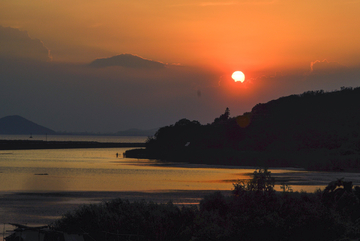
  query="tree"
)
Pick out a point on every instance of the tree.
point(261, 182)
point(223, 117)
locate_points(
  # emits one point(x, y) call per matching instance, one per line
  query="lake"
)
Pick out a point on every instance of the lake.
point(38, 186)
point(99, 138)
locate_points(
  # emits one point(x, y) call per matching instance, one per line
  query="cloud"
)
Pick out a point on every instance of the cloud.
point(325, 66)
point(128, 61)
point(17, 44)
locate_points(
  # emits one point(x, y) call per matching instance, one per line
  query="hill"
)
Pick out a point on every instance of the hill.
point(317, 130)
point(127, 61)
point(17, 125)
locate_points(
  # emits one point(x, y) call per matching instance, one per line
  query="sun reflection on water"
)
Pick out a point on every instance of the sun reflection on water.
point(101, 170)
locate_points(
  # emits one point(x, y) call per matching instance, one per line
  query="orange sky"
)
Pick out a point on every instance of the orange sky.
point(249, 34)
point(283, 47)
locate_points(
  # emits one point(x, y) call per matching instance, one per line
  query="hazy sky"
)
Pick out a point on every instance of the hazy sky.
point(176, 58)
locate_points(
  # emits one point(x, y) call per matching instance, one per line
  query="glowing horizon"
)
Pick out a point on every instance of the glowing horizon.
point(201, 34)
point(185, 53)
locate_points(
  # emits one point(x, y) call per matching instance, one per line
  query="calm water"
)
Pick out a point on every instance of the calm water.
point(37, 186)
point(101, 170)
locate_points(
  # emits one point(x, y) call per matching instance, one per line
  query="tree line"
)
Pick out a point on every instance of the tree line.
point(317, 130)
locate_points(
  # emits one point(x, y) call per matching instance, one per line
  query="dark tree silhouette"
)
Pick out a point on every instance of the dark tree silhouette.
point(223, 117)
point(316, 130)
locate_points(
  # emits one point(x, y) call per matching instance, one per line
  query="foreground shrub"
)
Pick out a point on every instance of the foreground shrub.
point(266, 216)
point(254, 211)
point(129, 221)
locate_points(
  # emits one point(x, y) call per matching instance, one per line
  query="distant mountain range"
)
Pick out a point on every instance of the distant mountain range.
point(17, 125)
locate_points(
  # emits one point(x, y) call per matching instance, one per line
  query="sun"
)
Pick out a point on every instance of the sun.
point(238, 76)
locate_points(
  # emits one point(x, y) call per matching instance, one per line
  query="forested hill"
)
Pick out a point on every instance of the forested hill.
point(314, 119)
point(313, 108)
point(315, 130)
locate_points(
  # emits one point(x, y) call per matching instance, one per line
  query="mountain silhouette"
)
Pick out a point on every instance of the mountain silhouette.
point(128, 61)
point(17, 125)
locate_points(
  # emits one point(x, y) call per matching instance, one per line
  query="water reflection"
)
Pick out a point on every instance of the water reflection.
point(298, 178)
point(38, 186)
point(101, 170)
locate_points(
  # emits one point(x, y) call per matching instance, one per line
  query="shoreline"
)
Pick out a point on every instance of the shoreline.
point(315, 160)
point(39, 144)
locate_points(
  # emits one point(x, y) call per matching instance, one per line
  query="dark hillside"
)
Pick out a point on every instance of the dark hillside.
point(310, 120)
point(315, 130)
point(17, 125)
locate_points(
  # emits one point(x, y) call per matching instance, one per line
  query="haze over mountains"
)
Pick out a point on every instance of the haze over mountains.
point(17, 125)
point(314, 119)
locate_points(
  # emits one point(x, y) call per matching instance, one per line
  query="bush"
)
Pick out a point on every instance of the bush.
point(138, 221)
point(261, 182)
point(254, 211)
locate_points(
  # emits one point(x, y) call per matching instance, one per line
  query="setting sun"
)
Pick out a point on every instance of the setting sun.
point(238, 76)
